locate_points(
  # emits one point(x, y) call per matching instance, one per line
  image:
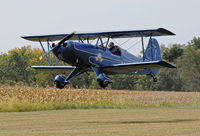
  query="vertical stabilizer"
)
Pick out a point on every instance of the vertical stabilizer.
point(152, 52)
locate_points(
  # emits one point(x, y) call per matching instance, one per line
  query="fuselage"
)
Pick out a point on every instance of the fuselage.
point(87, 55)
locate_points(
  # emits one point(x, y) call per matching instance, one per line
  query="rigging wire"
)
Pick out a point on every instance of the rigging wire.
point(115, 41)
point(124, 42)
point(134, 44)
point(120, 44)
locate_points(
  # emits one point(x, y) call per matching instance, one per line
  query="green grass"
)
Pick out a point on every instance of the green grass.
point(102, 122)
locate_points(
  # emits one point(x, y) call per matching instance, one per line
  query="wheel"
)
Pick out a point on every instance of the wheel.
point(154, 79)
point(102, 84)
point(60, 85)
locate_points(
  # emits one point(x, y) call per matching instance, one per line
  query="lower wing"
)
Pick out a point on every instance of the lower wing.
point(54, 68)
point(132, 67)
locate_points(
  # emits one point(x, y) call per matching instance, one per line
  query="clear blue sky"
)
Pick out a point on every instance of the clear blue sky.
point(27, 17)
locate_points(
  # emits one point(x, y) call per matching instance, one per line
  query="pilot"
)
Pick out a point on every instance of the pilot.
point(111, 46)
point(114, 49)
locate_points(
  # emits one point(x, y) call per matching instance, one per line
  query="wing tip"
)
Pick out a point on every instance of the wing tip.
point(166, 64)
point(165, 31)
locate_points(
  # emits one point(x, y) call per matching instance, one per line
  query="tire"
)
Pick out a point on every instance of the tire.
point(59, 85)
point(102, 84)
point(155, 79)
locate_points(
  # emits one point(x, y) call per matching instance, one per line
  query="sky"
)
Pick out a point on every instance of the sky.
point(37, 17)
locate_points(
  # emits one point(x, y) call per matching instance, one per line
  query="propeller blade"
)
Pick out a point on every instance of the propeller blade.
point(58, 45)
point(66, 38)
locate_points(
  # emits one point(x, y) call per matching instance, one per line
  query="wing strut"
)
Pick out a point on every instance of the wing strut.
point(49, 60)
point(142, 46)
point(53, 53)
point(48, 57)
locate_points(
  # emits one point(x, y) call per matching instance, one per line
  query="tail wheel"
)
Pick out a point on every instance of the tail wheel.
point(154, 77)
point(60, 85)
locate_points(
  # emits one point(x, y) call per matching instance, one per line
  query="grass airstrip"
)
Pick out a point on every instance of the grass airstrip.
point(102, 122)
point(34, 111)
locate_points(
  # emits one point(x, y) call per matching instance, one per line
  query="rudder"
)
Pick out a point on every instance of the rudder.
point(152, 52)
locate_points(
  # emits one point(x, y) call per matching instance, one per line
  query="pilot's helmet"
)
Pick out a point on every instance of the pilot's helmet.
point(110, 45)
point(53, 44)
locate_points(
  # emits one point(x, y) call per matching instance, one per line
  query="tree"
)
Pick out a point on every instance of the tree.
point(195, 43)
point(81, 81)
point(16, 65)
point(143, 82)
point(171, 54)
point(123, 81)
point(169, 80)
point(189, 65)
point(3, 68)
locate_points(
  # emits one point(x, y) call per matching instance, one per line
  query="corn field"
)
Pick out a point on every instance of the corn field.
point(23, 98)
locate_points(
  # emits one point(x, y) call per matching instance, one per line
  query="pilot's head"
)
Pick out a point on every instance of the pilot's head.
point(53, 44)
point(110, 45)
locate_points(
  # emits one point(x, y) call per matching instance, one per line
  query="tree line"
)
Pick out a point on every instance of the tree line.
point(15, 69)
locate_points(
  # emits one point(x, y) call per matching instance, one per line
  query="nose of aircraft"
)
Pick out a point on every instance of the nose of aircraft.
point(55, 47)
point(64, 52)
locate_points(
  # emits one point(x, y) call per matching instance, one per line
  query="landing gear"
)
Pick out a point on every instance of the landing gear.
point(102, 78)
point(61, 81)
point(154, 77)
point(103, 84)
point(59, 85)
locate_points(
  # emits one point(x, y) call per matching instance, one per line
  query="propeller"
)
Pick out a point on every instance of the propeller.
point(58, 44)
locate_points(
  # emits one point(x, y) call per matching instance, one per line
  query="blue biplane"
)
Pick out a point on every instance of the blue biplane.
point(103, 58)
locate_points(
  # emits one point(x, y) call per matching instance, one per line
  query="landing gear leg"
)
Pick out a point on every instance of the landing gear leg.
point(76, 71)
point(61, 81)
point(102, 78)
point(154, 77)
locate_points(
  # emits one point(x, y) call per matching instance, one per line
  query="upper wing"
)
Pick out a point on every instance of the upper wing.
point(131, 67)
point(111, 34)
point(54, 68)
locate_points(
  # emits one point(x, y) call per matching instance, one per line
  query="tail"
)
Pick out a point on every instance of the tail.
point(152, 52)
